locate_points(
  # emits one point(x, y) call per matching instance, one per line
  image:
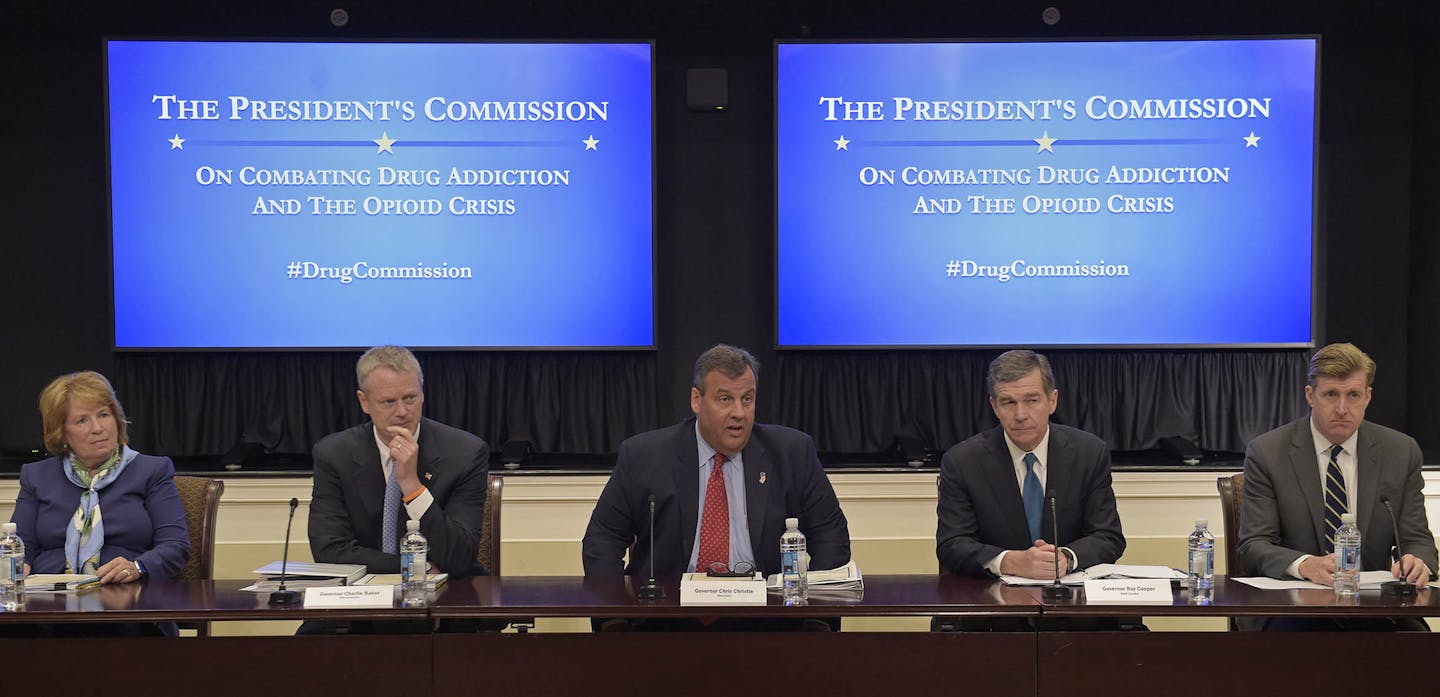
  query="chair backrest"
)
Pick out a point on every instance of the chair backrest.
point(1232, 490)
point(201, 498)
point(489, 552)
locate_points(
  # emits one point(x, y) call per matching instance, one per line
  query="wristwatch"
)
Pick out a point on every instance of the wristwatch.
point(140, 569)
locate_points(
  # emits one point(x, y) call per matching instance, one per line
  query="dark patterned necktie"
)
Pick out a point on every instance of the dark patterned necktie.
point(1336, 502)
point(715, 522)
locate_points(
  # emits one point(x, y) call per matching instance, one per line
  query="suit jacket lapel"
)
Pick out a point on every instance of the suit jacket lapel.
point(1059, 476)
point(1000, 470)
point(428, 456)
point(757, 499)
point(1369, 457)
point(1305, 466)
point(687, 486)
point(368, 475)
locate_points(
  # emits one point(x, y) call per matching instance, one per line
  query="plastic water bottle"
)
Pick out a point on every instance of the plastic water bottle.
point(794, 563)
point(12, 568)
point(1202, 564)
point(414, 562)
point(1347, 557)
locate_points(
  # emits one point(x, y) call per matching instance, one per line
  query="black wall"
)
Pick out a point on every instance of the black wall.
point(1378, 207)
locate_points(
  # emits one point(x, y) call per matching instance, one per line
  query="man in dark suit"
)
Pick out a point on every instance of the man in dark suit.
point(371, 478)
point(1301, 477)
point(993, 513)
point(723, 487)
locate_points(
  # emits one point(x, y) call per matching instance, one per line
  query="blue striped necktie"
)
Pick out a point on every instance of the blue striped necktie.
point(1034, 495)
point(1336, 502)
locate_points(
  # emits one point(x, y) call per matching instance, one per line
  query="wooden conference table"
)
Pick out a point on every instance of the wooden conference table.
point(1035, 663)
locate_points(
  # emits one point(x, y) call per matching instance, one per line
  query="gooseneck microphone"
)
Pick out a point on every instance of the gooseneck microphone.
point(282, 597)
point(1400, 588)
point(651, 590)
point(1056, 590)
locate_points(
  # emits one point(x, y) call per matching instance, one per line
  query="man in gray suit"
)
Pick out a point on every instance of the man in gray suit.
point(1301, 477)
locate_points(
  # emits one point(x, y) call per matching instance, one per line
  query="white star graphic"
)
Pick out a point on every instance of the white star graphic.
point(177, 143)
point(842, 144)
point(1045, 142)
point(591, 143)
point(385, 142)
point(1252, 140)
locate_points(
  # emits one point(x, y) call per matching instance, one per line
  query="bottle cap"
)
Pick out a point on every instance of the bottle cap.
point(792, 523)
point(412, 525)
point(8, 528)
point(1202, 523)
point(1347, 517)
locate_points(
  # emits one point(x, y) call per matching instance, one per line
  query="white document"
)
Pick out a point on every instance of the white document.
point(1134, 571)
point(1099, 571)
point(845, 577)
point(1369, 580)
point(1074, 578)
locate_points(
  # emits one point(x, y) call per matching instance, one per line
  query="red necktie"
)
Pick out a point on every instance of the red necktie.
point(715, 526)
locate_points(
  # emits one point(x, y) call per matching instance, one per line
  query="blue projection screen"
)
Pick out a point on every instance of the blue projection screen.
point(329, 195)
point(1137, 193)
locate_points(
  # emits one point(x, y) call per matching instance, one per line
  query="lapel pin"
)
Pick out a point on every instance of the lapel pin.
point(762, 477)
point(428, 476)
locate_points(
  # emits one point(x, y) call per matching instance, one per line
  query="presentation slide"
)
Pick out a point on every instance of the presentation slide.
point(343, 195)
point(1136, 193)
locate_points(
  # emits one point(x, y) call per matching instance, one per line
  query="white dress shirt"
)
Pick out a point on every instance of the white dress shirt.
point(1017, 458)
point(417, 506)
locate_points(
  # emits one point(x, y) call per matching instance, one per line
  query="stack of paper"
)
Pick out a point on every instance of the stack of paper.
point(432, 581)
point(1102, 571)
point(303, 574)
point(844, 578)
point(60, 583)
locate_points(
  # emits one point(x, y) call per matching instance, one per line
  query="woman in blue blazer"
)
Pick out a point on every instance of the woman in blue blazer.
point(98, 507)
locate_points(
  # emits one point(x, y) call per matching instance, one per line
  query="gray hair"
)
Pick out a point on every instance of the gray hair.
point(1013, 365)
point(731, 361)
point(396, 358)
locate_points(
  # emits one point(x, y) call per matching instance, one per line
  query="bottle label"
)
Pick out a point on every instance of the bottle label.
point(1347, 557)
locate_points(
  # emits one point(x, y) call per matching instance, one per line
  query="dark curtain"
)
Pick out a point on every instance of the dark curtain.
point(863, 402)
point(185, 404)
point(860, 402)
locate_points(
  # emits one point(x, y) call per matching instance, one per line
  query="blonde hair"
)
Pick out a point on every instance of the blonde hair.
point(1340, 361)
point(85, 387)
point(396, 358)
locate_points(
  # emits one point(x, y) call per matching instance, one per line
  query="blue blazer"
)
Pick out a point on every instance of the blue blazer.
point(144, 519)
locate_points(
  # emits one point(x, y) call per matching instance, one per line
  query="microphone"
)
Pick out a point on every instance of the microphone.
point(282, 597)
point(651, 590)
point(1056, 590)
point(1400, 588)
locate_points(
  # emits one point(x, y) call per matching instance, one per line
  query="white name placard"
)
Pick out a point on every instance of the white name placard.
point(700, 589)
point(1128, 591)
point(350, 596)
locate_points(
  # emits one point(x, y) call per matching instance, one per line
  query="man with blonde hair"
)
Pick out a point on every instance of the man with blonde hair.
point(371, 478)
point(1300, 478)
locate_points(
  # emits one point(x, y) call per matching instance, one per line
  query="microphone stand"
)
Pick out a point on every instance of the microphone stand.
point(1399, 588)
point(651, 590)
point(282, 597)
point(1056, 590)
